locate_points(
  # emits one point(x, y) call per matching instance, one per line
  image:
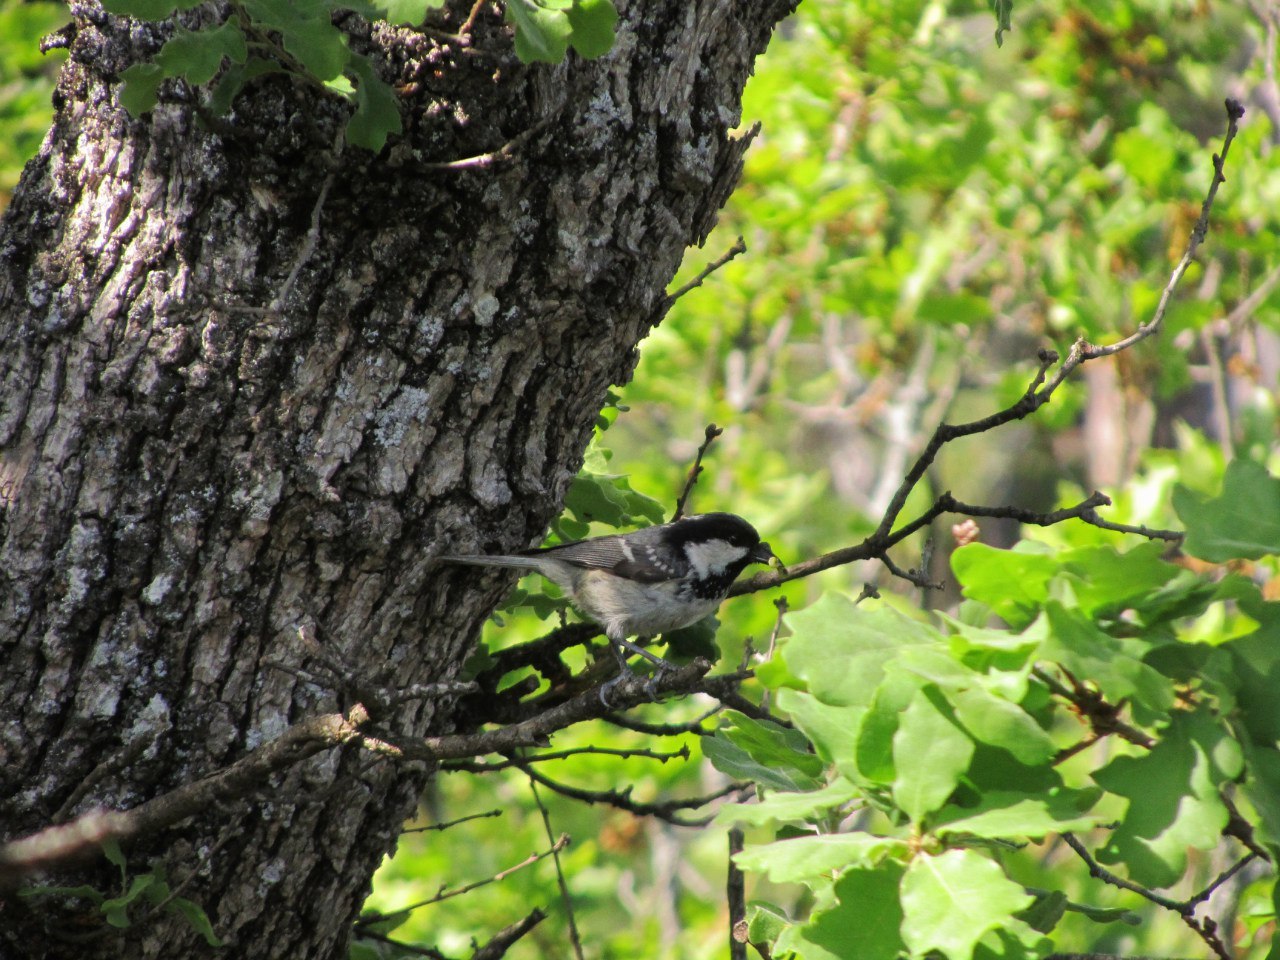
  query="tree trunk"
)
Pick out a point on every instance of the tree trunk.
point(252, 385)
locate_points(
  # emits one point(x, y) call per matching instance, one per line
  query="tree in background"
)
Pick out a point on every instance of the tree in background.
point(923, 212)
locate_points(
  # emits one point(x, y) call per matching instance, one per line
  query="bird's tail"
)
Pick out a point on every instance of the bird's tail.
point(500, 560)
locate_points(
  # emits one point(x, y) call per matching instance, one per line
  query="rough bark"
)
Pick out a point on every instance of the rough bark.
point(229, 410)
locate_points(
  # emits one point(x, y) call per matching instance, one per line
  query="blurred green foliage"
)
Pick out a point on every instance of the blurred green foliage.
point(26, 84)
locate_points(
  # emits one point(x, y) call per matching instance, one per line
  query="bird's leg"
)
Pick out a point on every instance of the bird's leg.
point(616, 644)
point(636, 648)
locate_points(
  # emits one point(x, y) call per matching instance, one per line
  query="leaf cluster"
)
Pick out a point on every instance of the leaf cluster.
point(302, 40)
point(143, 890)
point(945, 749)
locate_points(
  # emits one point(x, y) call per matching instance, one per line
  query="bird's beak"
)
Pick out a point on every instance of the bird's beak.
point(762, 553)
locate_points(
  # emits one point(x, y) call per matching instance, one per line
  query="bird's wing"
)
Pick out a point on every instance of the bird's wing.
point(623, 555)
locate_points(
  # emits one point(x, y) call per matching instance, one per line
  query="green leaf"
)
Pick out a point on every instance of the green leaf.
point(831, 730)
point(839, 649)
point(1173, 796)
point(1013, 583)
point(233, 80)
point(377, 112)
point(199, 920)
point(930, 753)
point(1002, 9)
point(597, 497)
point(765, 922)
point(1050, 906)
point(138, 93)
point(696, 640)
point(116, 910)
point(593, 23)
point(542, 29)
point(762, 751)
point(1242, 523)
point(813, 859)
point(197, 55)
point(864, 924)
point(950, 901)
point(1012, 815)
point(790, 806)
point(307, 32)
point(997, 722)
point(111, 850)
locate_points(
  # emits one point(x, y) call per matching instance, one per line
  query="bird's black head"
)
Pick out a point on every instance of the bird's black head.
point(727, 528)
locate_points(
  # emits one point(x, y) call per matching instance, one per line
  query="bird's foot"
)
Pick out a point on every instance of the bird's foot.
point(624, 671)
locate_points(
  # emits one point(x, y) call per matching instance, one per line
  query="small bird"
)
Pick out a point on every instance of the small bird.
point(648, 582)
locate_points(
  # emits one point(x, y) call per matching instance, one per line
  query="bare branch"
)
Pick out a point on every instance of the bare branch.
point(410, 948)
point(574, 938)
point(1082, 351)
point(471, 766)
point(736, 895)
point(739, 247)
point(506, 938)
point(453, 823)
point(630, 692)
point(20, 857)
point(711, 433)
point(1206, 929)
point(482, 160)
point(663, 729)
point(621, 799)
point(448, 894)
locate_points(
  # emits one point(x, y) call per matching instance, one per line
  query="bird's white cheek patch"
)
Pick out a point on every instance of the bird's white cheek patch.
point(713, 557)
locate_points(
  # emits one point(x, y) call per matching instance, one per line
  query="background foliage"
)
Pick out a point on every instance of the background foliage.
point(922, 211)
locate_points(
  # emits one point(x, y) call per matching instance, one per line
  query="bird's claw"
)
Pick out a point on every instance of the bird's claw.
point(650, 684)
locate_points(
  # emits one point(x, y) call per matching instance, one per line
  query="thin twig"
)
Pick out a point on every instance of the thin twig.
point(472, 766)
point(1100, 872)
point(1082, 351)
point(312, 239)
point(482, 160)
point(621, 799)
point(409, 948)
point(452, 823)
point(663, 729)
point(739, 247)
point(448, 894)
point(1246, 308)
point(505, 938)
point(709, 437)
point(736, 895)
point(1222, 878)
point(1103, 717)
point(574, 938)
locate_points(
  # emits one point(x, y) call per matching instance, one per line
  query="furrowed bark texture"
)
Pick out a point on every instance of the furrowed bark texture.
point(198, 457)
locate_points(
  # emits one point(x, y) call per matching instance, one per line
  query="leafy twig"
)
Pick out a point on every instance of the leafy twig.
point(1206, 929)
